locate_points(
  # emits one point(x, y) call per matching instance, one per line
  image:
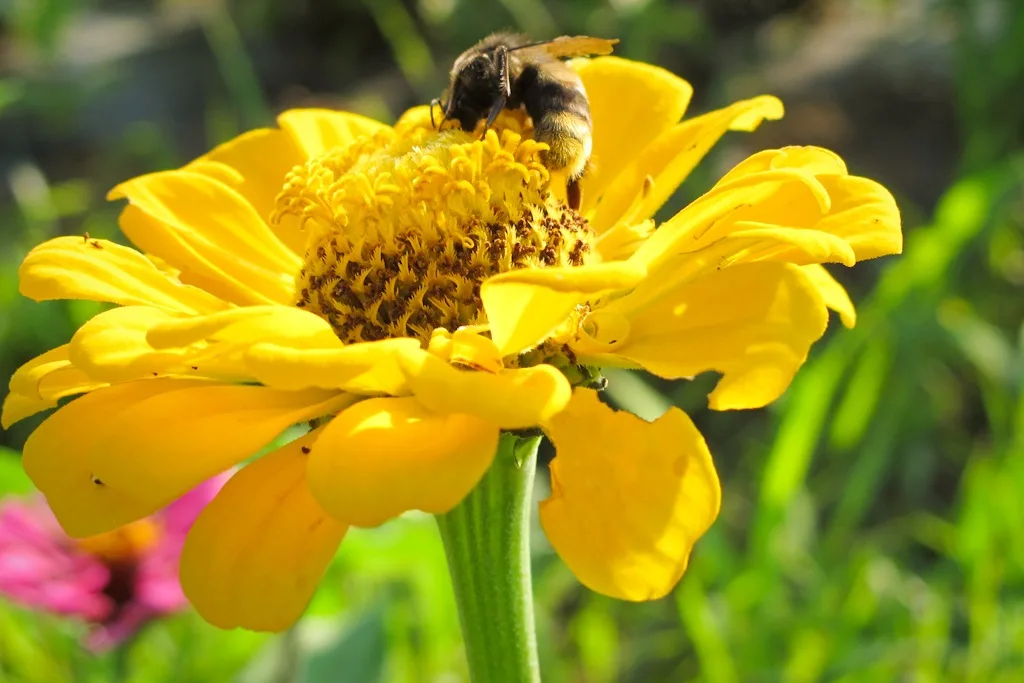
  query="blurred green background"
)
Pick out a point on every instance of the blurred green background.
point(873, 521)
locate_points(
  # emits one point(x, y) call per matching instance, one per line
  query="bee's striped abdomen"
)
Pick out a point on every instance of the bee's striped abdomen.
point(554, 98)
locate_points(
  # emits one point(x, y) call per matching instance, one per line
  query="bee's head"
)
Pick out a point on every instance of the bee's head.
point(474, 88)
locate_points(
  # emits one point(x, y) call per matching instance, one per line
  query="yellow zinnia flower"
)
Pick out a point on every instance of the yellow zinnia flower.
point(411, 294)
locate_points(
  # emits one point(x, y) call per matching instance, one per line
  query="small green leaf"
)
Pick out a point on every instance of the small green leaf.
point(13, 480)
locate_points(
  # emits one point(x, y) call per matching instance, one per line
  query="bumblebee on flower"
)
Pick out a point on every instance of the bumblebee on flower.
point(415, 294)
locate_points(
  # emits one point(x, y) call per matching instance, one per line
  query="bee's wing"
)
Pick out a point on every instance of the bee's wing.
point(566, 47)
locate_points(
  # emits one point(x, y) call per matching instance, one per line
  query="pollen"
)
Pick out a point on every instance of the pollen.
point(402, 228)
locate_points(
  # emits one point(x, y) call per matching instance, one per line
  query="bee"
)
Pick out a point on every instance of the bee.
point(507, 71)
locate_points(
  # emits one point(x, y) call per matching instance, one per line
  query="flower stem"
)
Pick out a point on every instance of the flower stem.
point(486, 539)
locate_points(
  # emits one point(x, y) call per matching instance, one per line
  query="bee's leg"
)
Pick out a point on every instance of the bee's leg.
point(573, 194)
point(495, 110)
point(435, 103)
point(501, 61)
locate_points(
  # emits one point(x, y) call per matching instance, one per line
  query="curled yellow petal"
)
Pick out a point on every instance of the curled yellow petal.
point(631, 103)
point(525, 306)
point(384, 456)
point(471, 349)
point(112, 346)
point(120, 453)
point(256, 553)
point(860, 211)
point(270, 324)
point(833, 293)
point(865, 214)
point(41, 382)
point(754, 323)
point(261, 159)
point(795, 204)
point(816, 160)
point(629, 498)
point(314, 131)
point(363, 368)
point(213, 222)
point(115, 346)
point(621, 241)
point(195, 264)
point(767, 242)
point(67, 381)
point(100, 270)
point(512, 399)
point(651, 178)
point(786, 197)
point(25, 379)
point(17, 407)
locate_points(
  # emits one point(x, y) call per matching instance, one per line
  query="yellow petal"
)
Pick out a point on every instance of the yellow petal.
point(255, 555)
point(61, 383)
point(865, 214)
point(66, 382)
point(120, 453)
point(621, 241)
point(471, 349)
point(38, 385)
point(670, 158)
point(754, 323)
point(384, 456)
point(795, 204)
point(249, 325)
point(628, 498)
point(767, 242)
point(99, 270)
point(833, 293)
point(284, 347)
point(525, 306)
point(261, 159)
point(631, 103)
point(787, 197)
point(112, 346)
point(218, 224)
point(512, 399)
point(861, 213)
point(25, 379)
point(315, 131)
point(135, 342)
point(815, 160)
point(193, 265)
point(115, 346)
point(413, 118)
point(222, 173)
point(363, 368)
point(18, 406)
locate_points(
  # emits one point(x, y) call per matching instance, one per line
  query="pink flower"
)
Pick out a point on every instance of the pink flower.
point(116, 581)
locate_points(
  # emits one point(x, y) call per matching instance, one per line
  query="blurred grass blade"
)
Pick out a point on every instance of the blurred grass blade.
point(236, 67)
point(358, 654)
point(864, 389)
point(705, 632)
point(407, 45)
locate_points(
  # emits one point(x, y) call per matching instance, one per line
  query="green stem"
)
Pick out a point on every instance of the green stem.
point(487, 542)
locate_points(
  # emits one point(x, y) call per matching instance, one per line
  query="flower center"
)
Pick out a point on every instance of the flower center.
point(123, 545)
point(402, 228)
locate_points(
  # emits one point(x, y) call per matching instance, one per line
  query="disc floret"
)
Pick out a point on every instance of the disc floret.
point(403, 229)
